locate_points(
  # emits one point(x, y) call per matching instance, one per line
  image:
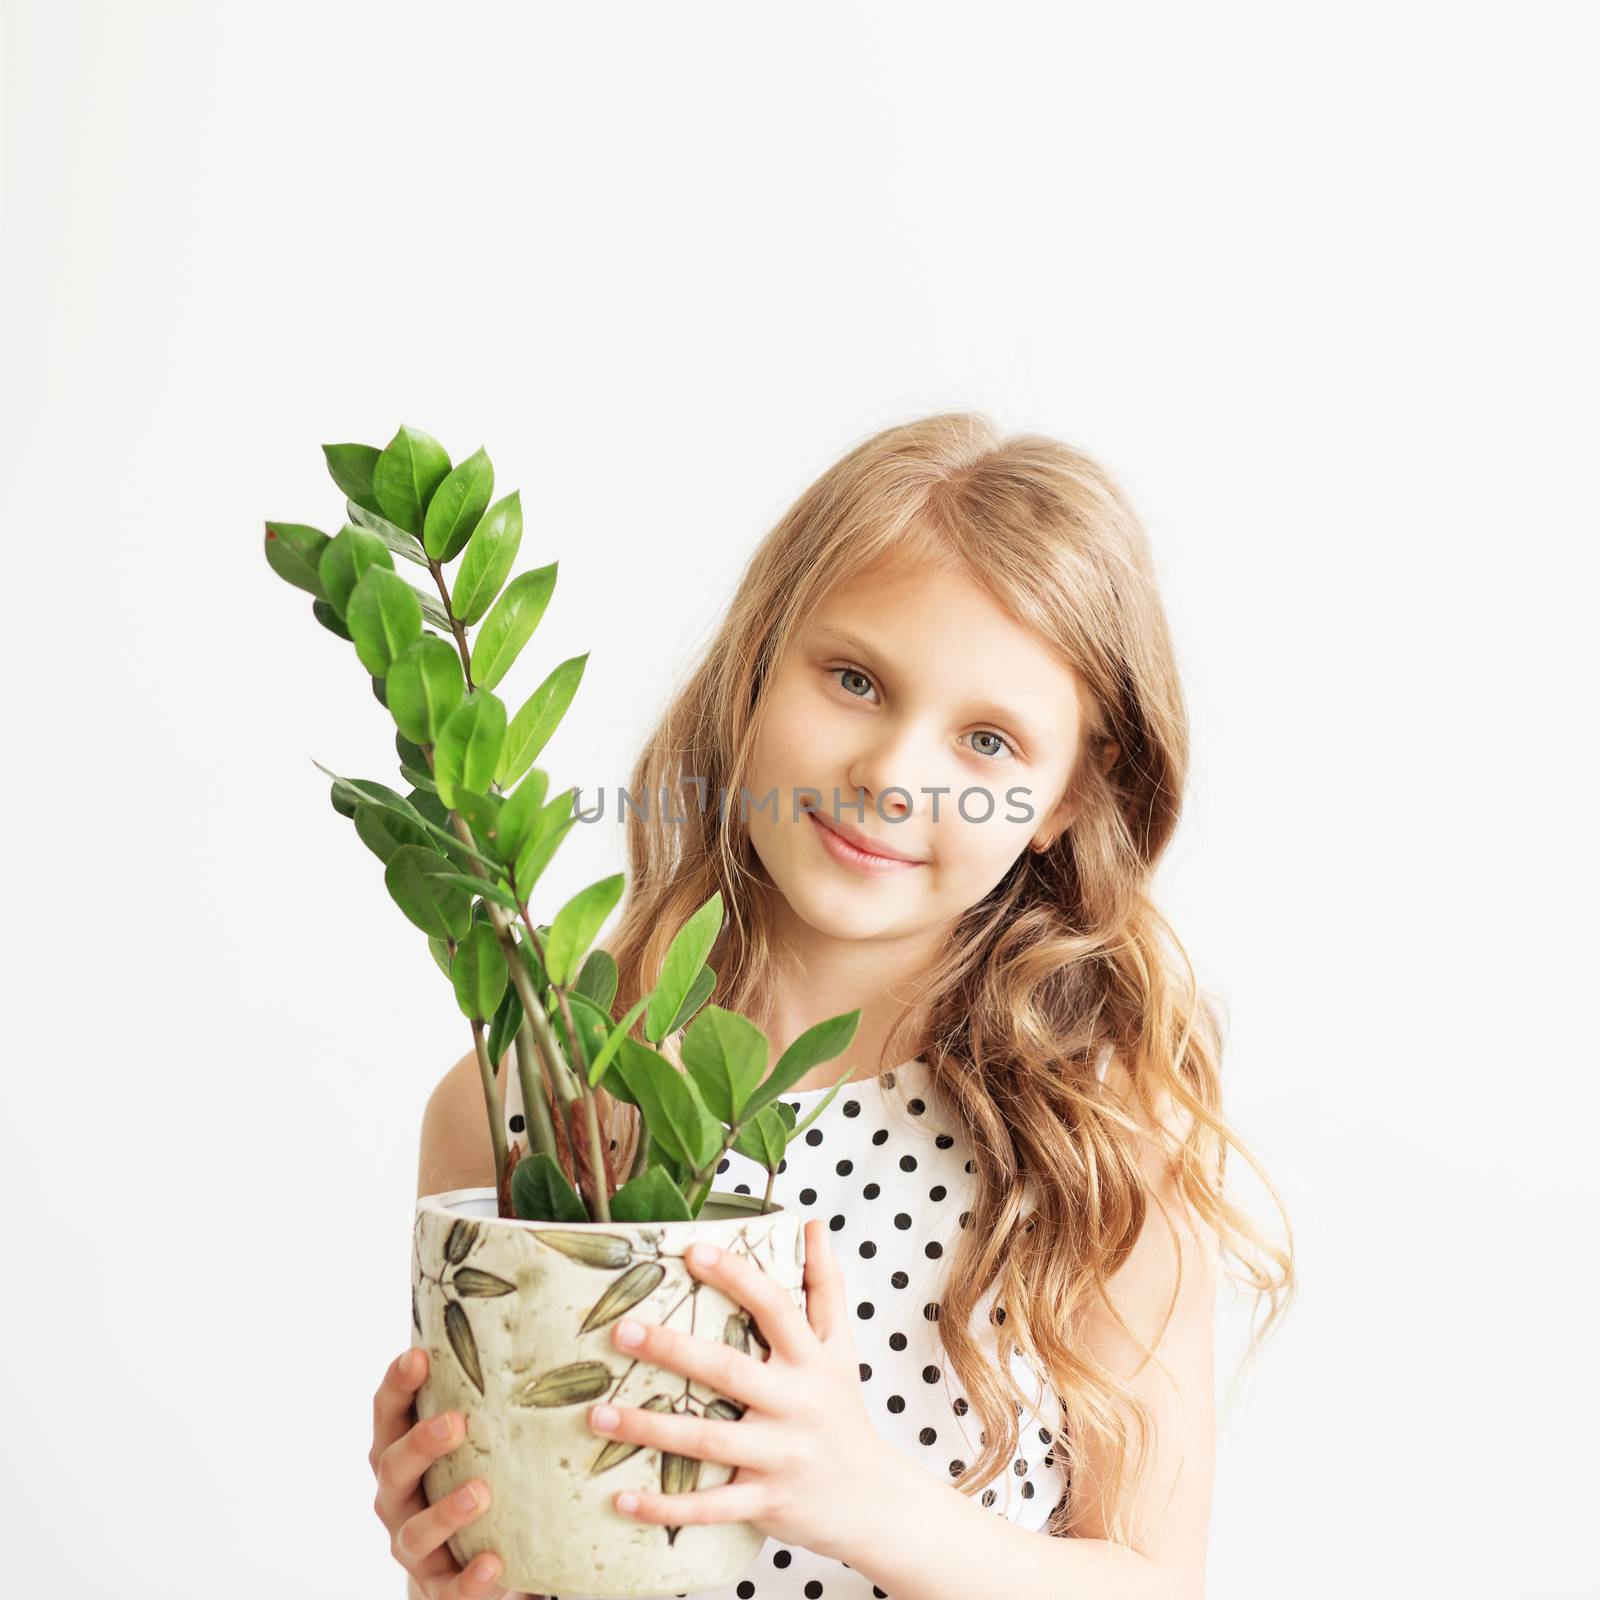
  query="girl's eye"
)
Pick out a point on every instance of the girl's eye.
point(989, 733)
point(983, 733)
point(850, 672)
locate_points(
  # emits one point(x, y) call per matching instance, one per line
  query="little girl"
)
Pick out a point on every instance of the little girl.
point(931, 761)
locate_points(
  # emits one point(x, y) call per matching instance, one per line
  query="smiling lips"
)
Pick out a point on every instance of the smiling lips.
point(853, 849)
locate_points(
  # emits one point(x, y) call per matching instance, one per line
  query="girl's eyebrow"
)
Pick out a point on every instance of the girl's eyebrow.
point(1032, 734)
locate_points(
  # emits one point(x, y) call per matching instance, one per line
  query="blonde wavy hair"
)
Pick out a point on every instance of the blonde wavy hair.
point(1064, 958)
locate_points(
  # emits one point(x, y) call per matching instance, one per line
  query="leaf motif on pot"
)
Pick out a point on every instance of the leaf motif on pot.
point(462, 1236)
point(609, 1250)
point(574, 1384)
point(459, 1332)
point(755, 1333)
point(724, 1410)
point(737, 1331)
point(624, 1294)
point(416, 1321)
point(475, 1282)
point(679, 1475)
point(618, 1450)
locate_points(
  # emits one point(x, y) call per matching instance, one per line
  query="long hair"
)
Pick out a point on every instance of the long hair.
point(1065, 958)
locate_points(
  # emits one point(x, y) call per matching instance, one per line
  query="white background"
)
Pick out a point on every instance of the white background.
point(1317, 285)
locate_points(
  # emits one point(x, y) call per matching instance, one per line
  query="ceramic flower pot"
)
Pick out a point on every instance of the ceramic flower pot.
point(516, 1318)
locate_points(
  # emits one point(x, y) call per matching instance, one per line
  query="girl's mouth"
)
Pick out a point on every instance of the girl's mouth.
point(846, 854)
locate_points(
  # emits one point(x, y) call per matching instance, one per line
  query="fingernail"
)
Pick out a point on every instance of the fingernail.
point(467, 1498)
point(443, 1427)
point(605, 1416)
point(703, 1255)
point(408, 1364)
point(629, 1332)
point(485, 1571)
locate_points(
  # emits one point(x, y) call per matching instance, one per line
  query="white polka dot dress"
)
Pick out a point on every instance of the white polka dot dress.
point(894, 1186)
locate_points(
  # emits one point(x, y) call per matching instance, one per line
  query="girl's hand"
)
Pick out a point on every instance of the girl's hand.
point(417, 1531)
point(810, 1466)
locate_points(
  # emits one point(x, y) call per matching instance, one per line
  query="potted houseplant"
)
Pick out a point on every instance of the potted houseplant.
point(515, 1286)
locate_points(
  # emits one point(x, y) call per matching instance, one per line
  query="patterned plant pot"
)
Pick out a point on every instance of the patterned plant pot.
point(516, 1318)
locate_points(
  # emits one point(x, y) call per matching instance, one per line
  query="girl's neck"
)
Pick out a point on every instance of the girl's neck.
point(826, 977)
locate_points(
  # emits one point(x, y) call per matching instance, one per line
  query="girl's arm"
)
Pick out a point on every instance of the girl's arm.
point(951, 1547)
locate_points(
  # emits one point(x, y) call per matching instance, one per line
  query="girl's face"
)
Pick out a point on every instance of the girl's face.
point(948, 731)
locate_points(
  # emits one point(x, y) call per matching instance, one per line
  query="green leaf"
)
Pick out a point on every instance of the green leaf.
point(383, 617)
point(539, 717)
point(482, 812)
point(531, 962)
point(576, 924)
point(726, 1055)
point(383, 830)
point(764, 1139)
point(397, 539)
point(593, 1025)
point(519, 813)
point(425, 686)
point(354, 790)
point(429, 806)
point(457, 507)
point(510, 624)
point(816, 1045)
point(410, 754)
point(700, 991)
point(294, 551)
point(597, 978)
point(540, 1192)
point(479, 973)
point(468, 746)
point(507, 1021)
point(489, 554)
point(441, 955)
point(597, 1067)
point(350, 466)
point(472, 884)
point(556, 820)
point(685, 956)
point(651, 1197)
point(350, 553)
point(661, 1160)
point(346, 794)
point(404, 478)
point(329, 618)
point(432, 611)
point(421, 882)
point(673, 1110)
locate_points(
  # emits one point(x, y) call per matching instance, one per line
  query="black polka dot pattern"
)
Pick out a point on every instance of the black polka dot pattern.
point(889, 1175)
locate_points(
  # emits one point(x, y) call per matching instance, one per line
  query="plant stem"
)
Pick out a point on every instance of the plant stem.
point(564, 1081)
point(700, 1184)
point(641, 1152)
point(491, 1094)
point(599, 1161)
point(533, 1037)
point(576, 1085)
point(533, 1044)
point(456, 626)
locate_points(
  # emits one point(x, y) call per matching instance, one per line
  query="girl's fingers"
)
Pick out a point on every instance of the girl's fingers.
point(824, 1285)
point(419, 1541)
point(402, 1449)
point(401, 1465)
point(391, 1405)
point(734, 1501)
